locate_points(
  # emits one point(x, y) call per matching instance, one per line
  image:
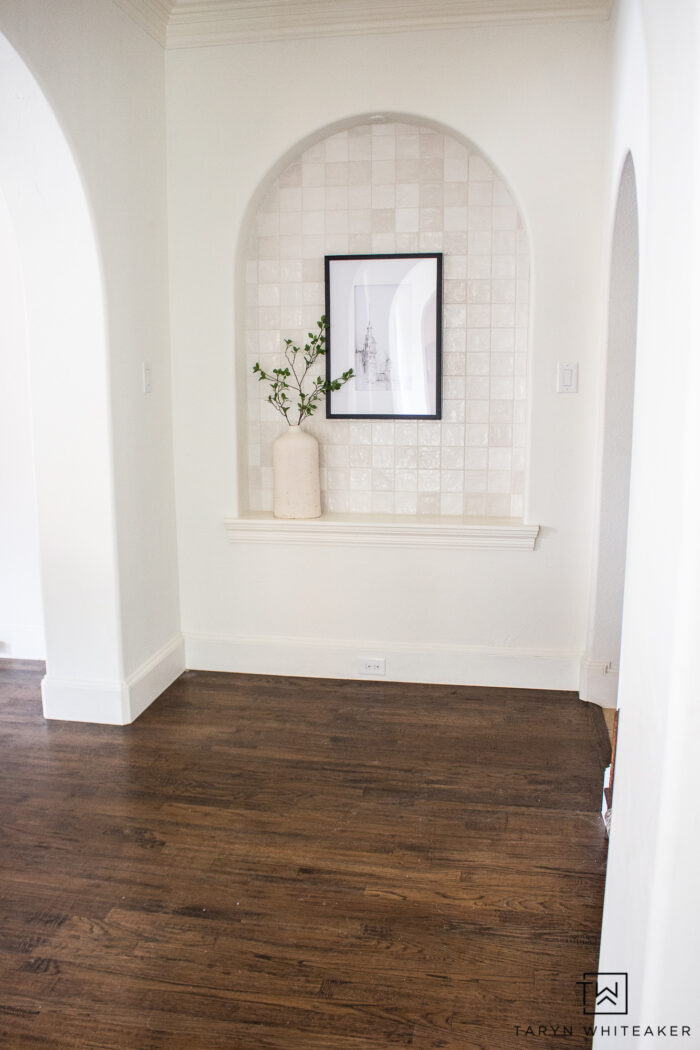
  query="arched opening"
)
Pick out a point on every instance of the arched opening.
point(71, 425)
point(21, 612)
point(396, 185)
point(600, 670)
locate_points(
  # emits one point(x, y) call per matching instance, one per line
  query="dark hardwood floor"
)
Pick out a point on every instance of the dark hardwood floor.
point(268, 863)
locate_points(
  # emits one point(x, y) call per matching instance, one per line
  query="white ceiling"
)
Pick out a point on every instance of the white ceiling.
point(196, 23)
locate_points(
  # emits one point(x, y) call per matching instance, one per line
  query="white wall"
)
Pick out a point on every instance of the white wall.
point(650, 925)
point(21, 613)
point(104, 79)
point(237, 113)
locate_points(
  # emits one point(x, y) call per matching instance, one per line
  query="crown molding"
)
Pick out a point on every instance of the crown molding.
point(151, 15)
point(201, 23)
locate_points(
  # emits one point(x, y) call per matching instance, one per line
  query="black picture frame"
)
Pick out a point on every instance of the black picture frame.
point(384, 317)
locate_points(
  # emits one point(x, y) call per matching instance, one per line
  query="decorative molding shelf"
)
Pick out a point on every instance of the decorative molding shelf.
point(368, 531)
point(201, 23)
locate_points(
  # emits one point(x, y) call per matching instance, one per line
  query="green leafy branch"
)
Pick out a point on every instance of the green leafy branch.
point(287, 393)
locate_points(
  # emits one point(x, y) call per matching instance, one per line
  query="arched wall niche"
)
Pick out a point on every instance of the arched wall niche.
point(382, 185)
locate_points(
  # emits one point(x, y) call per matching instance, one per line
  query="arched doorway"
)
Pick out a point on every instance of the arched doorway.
point(599, 678)
point(21, 613)
point(71, 424)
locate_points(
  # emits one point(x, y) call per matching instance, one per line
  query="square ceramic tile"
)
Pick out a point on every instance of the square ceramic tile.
point(480, 194)
point(336, 147)
point(454, 340)
point(406, 503)
point(407, 242)
point(382, 455)
point(406, 480)
point(456, 169)
point(383, 147)
point(452, 481)
point(432, 195)
point(359, 197)
point(383, 243)
point(453, 363)
point(454, 411)
point(407, 220)
point(501, 411)
point(384, 196)
point(454, 242)
point(407, 195)
point(406, 457)
point(360, 502)
point(502, 339)
point(406, 432)
point(453, 434)
point(360, 479)
point(431, 169)
point(453, 457)
point(475, 480)
point(501, 364)
point(382, 503)
point(477, 434)
point(429, 433)
point(382, 480)
point(360, 433)
point(454, 315)
point(429, 457)
point(407, 146)
point(454, 291)
point(429, 502)
point(359, 456)
point(453, 388)
point(498, 481)
point(454, 267)
point(313, 174)
point(505, 218)
point(497, 505)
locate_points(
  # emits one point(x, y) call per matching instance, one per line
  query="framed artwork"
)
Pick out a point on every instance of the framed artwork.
point(384, 316)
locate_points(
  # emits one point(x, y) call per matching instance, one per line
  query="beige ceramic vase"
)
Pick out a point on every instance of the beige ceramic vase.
point(297, 479)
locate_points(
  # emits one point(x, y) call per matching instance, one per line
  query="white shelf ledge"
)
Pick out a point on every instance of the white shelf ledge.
point(365, 530)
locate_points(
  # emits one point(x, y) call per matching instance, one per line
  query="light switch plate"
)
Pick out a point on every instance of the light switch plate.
point(567, 377)
point(147, 377)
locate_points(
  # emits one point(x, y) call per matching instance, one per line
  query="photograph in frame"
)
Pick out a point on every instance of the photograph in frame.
point(384, 321)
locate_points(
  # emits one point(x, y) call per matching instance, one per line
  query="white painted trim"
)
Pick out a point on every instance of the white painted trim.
point(151, 15)
point(22, 643)
point(211, 22)
point(155, 675)
point(114, 702)
point(365, 531)
point(598, 682)
point(405, 662)
point(83, 700)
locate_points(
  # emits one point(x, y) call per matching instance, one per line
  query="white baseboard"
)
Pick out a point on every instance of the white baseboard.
point(22, 643)
point(114, 702)
point(85, 700)
point(598, 683)
point(155, 675)
point(405, 662)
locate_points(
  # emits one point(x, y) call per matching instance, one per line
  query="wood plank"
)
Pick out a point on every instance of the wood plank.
point(264, 863)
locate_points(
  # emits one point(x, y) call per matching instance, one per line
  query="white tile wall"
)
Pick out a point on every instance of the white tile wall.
point(400, 188)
